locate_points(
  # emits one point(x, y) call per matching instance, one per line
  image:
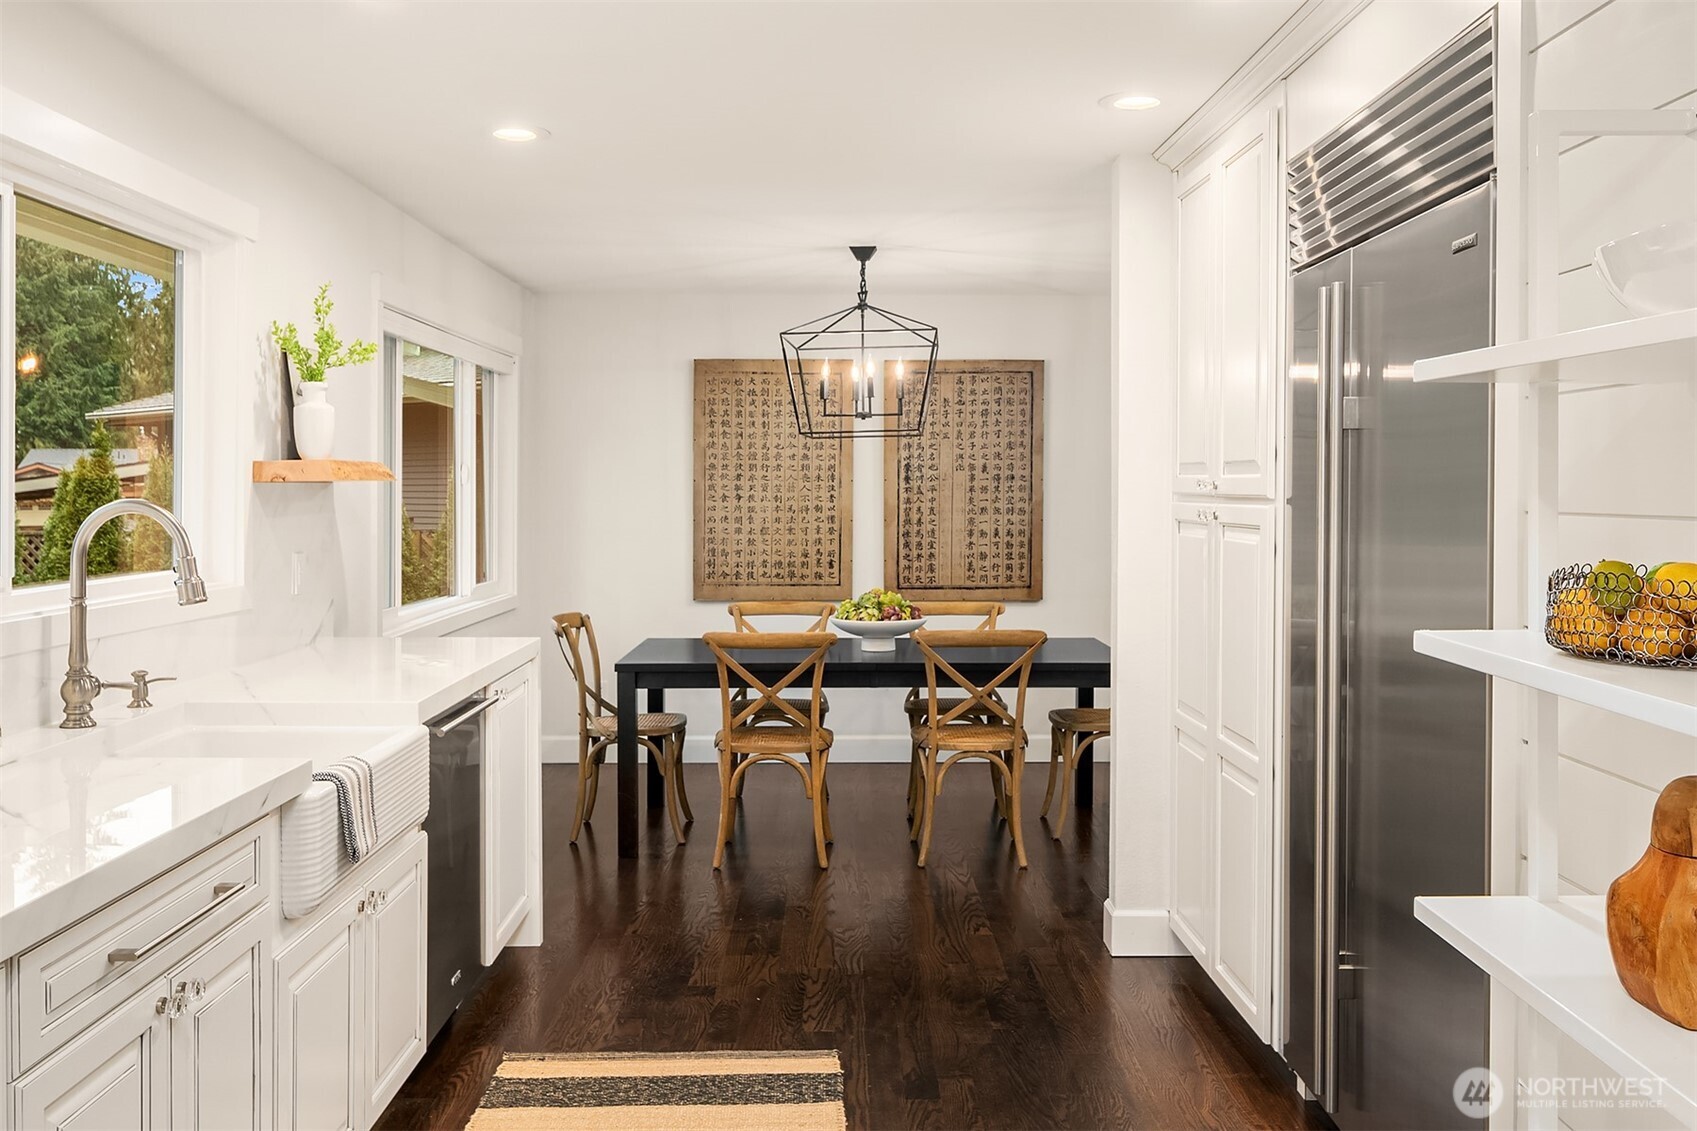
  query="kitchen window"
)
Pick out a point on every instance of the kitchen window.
point(453, 451)
point(93, 389)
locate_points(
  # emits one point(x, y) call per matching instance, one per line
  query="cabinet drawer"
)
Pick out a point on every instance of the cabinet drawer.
point(74, 978)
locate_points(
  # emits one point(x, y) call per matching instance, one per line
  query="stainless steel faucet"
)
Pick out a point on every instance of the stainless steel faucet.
point(81, 687)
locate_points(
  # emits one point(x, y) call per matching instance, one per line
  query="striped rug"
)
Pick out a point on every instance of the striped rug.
point(704, 1091)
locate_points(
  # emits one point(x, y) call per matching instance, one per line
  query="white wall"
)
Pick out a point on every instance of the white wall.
point(315, 224)
point(608, 452)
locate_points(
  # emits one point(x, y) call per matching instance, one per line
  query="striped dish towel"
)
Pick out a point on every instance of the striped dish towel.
point(354, 780)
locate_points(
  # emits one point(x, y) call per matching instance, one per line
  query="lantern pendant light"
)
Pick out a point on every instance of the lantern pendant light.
point(860, 371)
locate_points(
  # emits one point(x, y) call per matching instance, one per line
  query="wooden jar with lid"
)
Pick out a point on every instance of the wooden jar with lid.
point(1652, 911)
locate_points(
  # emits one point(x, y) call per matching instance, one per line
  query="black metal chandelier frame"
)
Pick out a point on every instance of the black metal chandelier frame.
point(852, 333)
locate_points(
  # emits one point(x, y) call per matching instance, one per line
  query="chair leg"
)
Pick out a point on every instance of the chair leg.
point(585, 767)
point(726, 800)
point(819, 817)
point(829, 839)
point(1016, 771)
point(678, 763)
point(595, 764)
point(1054, 759)
point(742, 781)
point(913, 783)
point(1073, 745)
point(673, 772)
point(930, 815)
point(916, 792)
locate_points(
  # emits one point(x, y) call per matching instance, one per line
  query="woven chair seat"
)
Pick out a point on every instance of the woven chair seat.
point(772, 740)
point(648, 724)
point(968, 736)
point(1089, 720)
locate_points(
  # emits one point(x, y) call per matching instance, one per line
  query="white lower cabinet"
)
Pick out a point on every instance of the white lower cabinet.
point(511, 818)
point(1222, 736)
point(113, 1075)
point(350, 997)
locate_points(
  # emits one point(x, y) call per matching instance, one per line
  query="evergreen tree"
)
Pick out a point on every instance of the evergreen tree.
point(70, 314)
point(89, 483)
point(150, 546)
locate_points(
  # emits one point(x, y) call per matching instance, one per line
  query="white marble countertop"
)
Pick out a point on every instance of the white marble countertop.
point(83, 820)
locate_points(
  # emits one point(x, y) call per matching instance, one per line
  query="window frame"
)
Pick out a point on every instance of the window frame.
point(51, 158)
point(472, 601)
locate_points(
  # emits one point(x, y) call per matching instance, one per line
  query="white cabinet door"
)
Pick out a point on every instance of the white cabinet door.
point(511, 781)
point(114, 1075)
point(1230, 284)
point(1192, 723)
point(217, 1053)
point(1198, 321)
point(1241, 748)
point(1247, 391)
point(316, 1013)
point(393, 973)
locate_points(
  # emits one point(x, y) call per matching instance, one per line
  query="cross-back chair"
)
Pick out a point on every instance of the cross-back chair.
point(980, 724)
point(744, 614)
point(662, 733)
point(795, 737)
point(916, 704)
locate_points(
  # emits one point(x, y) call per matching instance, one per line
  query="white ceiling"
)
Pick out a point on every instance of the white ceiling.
point(728, 145)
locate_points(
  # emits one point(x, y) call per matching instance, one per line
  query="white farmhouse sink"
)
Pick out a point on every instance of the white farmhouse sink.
point(312, 856)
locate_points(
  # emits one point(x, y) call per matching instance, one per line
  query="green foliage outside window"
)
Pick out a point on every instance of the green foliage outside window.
point(89, 483)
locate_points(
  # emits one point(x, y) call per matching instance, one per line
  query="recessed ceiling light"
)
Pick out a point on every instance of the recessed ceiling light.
point(520, 133)
point(1130, 101)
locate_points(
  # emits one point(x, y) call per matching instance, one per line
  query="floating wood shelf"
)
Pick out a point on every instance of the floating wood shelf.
point(319, 471)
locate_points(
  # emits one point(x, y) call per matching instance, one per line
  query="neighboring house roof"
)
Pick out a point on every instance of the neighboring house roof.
point(51, 461)
point(142, 408)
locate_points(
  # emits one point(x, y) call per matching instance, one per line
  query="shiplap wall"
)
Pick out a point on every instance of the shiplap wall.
point(1628, 489)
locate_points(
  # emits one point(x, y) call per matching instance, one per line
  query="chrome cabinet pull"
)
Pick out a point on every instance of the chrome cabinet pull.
point(465, 716)
point(221, 894)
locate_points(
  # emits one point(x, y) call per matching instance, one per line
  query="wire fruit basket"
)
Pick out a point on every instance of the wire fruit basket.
point(1624, 615)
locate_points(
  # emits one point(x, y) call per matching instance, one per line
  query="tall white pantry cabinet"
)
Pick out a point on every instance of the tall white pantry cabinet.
point(1225, 567)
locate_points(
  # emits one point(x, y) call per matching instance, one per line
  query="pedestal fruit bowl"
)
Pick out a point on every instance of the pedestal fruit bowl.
point(879, 617)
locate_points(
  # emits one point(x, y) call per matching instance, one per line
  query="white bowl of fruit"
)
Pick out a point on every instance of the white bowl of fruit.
point(878, 617)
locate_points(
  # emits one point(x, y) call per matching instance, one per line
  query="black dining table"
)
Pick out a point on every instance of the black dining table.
point(1078, 662)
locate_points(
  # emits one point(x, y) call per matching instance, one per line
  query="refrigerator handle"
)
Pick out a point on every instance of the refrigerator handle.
point(1329, 434)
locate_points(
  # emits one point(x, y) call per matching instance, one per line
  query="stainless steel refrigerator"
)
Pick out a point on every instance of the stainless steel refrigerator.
point(1388, 786)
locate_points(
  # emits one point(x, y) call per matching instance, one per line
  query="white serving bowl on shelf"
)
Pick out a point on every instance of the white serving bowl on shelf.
point(878, 635)
point(1653, 271)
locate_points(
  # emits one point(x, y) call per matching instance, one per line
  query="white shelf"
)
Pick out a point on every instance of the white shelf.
point(1665, 697)
point(1555, 957)
point(1662, 347)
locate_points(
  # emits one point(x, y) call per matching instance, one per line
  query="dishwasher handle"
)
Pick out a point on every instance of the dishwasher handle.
point(477, 708)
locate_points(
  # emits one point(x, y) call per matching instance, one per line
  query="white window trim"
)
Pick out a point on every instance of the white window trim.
point(55, 159)
point(499, 594)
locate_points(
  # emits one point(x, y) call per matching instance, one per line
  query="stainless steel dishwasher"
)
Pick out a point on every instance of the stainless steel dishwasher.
point(453, 962)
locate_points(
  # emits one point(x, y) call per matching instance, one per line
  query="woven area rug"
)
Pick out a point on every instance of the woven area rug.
point(705, 1091)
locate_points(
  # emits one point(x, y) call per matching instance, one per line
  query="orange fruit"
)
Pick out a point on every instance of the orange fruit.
point(1672, 587)
point(1656, 634)
point(1580, 623)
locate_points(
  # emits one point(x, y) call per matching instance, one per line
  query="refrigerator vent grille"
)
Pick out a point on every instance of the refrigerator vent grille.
point(1426, 139)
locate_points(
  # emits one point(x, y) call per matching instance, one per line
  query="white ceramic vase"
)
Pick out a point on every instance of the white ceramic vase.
point(315, 422)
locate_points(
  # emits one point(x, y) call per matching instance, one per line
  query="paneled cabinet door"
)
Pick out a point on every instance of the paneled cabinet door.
point(1192, 724)
point(317, 1024)
point(1195, 406)
point(1229, 286)
point(1247, 389)
point(218, 1072)
point(1242, 660)
point(393, 974)
point(114, 1075)
point(511, 779)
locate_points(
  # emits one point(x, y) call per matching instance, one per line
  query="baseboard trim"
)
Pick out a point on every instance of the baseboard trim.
point(1138, 932)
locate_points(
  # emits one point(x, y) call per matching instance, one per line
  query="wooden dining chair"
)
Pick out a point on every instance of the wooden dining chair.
point(744, 614)
point(598, 728)
point(1072, 732)
point(979, 725)
point(798, 741)
point(916, 704)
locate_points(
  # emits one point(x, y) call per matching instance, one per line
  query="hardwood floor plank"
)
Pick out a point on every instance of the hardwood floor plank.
point(966, 994)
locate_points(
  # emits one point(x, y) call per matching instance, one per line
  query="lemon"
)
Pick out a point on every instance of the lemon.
point(1615, 586)
point(1672, 587)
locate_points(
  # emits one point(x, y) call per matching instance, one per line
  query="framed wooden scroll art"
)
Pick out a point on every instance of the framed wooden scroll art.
point(963, 501)
point(773, 509)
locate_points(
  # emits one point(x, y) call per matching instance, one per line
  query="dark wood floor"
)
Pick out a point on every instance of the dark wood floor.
point(968, 994)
